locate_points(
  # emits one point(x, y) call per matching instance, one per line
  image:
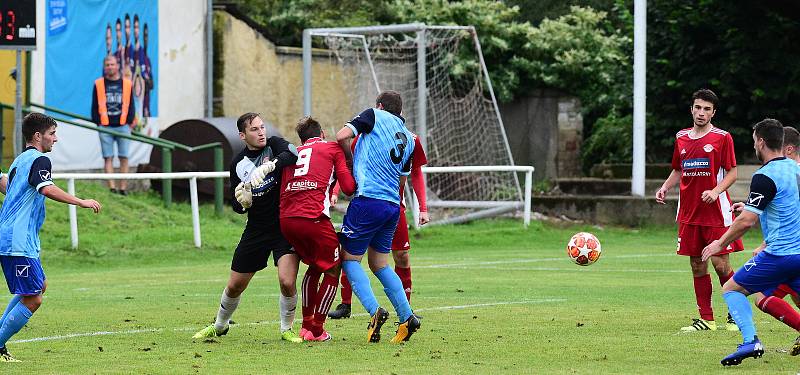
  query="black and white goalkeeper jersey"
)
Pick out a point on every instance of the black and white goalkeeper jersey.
point(264, 210)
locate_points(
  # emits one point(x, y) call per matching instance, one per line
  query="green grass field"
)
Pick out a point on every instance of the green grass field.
point(496, 298)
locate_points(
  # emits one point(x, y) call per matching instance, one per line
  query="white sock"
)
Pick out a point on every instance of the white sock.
point(227, 306)
point(288, 306)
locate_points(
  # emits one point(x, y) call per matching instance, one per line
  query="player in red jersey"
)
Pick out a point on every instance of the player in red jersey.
point(705, 165)
point(306, 224)
point(400, 242)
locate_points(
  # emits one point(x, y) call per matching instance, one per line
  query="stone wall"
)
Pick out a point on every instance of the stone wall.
point(260, 77)
point(545, 130)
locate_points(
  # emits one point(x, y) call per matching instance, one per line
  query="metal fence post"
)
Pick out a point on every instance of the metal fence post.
point(218, 181)
point(195, 211)
point(73, 215)
point(166, 167)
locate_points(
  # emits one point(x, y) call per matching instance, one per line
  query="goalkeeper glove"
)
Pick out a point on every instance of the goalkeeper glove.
point(257, 178)
point(244, 195)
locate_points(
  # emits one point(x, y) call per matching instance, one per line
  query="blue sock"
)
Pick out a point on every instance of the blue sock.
point(360, 284)
point(16, 319)
point(394, 290)
point(742, 314)
point(11, 304)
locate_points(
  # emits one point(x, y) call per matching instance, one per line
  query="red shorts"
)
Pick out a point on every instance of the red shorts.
point(693, 238)
point(314, 240)
point(782, 290)
point(400, 239)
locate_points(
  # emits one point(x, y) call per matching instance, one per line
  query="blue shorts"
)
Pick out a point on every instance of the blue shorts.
point(24, 275)
point(107, 141)
point(764, 272)
point(369, 222)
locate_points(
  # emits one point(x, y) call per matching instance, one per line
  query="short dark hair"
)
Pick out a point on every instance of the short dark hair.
point(308, 128)
point(135, 18)
point(34, 123)
point(108, 26)
point(707, 95)
point(771, 131)
point(391, 102)
point(127, 17)
point(119, 22)
point(791, 136)
point(245, 119)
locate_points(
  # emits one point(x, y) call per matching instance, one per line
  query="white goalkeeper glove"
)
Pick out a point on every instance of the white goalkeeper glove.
point(257, 178)
point(244, 195)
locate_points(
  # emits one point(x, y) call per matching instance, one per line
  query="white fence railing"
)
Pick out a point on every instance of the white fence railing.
point(191, 176)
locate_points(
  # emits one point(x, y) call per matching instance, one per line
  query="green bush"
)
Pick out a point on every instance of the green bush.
point(610, 142)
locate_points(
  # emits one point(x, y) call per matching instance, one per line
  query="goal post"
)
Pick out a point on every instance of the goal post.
point(448, 101)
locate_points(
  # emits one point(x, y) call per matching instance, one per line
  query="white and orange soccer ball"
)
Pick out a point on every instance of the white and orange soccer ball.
point(584, 248)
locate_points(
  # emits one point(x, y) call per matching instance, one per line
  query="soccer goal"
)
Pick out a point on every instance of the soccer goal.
point(448, 102)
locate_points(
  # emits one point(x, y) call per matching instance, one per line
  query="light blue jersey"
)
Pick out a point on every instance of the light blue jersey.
point(775, 197)
point(382, 154)
point(23, 213)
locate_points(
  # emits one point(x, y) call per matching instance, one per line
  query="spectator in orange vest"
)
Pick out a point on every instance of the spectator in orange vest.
point(113, 109)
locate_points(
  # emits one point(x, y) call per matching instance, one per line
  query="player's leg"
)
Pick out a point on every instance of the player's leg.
point(248, 258)
point(343, 309)
point(123, 168)
point(326, 257)
point(13, 302)
point(378, 262)
point(25, 277)
point(360, 223)
point(721, 262)
point(735, 291)
point(702, 292)
point(779, 309)
point(400, 247)
point(691, 243)
point(228, 303)
point(288, 263)
point(309, 288)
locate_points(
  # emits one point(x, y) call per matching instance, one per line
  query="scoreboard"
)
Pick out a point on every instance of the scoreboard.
point(18, 24)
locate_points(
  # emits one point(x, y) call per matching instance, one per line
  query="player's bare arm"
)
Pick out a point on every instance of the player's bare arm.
point(669, 183)
point(710, 196)
point(55, 193)
point(343, 138)
point(740, 226)
point(3, 184)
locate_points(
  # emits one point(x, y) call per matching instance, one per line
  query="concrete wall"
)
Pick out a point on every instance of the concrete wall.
point(261, 77)
point(182, 61)
point(545, 129)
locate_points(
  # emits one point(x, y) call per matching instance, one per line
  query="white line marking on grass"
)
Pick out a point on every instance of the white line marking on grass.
point(570, 269)
point(156, 330)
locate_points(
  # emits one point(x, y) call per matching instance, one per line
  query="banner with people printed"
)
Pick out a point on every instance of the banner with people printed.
point(127, 30)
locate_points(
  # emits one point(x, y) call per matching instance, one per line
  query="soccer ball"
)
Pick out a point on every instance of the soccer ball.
point(584, 248)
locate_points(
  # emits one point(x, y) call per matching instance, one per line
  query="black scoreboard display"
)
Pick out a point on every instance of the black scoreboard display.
point(18, 24)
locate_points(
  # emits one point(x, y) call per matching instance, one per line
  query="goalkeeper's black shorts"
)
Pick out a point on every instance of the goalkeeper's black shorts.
point(254, 247)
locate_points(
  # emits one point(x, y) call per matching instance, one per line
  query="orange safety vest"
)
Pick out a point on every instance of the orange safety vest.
point(102, 108)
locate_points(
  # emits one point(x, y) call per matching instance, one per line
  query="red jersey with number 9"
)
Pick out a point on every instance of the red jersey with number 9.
point(703, 163)
point(306, 185)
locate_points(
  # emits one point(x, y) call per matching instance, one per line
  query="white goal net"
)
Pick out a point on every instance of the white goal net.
point(447, 102)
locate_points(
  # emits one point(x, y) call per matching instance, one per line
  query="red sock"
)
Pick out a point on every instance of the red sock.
point(702, 293)
point(325, 297)
point(723, 280)
point(780, 310)
point(347, 291)
point(405, 277)
point(309, 288)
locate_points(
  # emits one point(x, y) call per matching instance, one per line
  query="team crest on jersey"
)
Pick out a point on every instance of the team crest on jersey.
point(683, 151)
point(44, 174)
point(708, 148)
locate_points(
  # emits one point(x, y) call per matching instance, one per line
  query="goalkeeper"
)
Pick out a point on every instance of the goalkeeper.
point(256, 174)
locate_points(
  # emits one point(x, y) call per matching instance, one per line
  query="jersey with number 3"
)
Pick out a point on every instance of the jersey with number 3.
point(306, 185)
point(382, 154)
point(703, 163)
